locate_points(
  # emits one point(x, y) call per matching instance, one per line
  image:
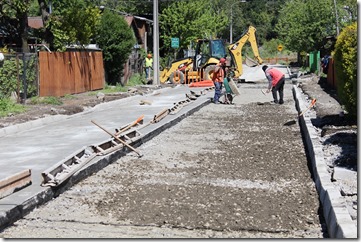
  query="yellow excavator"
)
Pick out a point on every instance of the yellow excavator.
point(207, 54)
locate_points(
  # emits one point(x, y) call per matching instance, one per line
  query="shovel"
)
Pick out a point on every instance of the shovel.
point(291, 122)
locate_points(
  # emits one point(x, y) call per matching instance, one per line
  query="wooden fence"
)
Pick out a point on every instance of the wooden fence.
point(62, 73)
point(277, 60)
point(331, 78)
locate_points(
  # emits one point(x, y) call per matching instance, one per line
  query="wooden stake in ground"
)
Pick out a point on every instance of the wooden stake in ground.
point(115, 137)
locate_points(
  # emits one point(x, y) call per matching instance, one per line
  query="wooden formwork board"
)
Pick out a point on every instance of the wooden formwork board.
point(15, 182)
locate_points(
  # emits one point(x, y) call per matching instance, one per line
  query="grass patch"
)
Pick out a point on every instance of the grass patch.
point(46, 100)
point(134, 80)
point(7, 107)
point(69, 96)
point(112, 89)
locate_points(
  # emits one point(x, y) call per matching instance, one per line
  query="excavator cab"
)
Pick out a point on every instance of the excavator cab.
point(198, 67)
point(208, 51)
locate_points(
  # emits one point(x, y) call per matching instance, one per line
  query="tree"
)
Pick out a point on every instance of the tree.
point(345, 57)
point(71, 22)
point(189, 20)
point(303, 24)
point(117, 40)
point(261, 14)
point(14, 21)
point(134, 7)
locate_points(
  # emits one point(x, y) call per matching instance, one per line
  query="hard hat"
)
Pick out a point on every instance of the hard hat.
point(149, 55)
point(222, 60)
point(264, 68)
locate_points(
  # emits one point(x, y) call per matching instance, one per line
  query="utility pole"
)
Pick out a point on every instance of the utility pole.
point(155, 43)
point(230, 27)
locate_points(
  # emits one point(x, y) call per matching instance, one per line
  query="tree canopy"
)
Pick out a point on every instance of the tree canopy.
point(345, 56)
point(71, 22)
point(116, 40)
point(191, 20)
point(14, 22)
point(306, 28)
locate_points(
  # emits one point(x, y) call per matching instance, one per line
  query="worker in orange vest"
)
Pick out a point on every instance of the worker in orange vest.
point(276, 80)
point(217, 78)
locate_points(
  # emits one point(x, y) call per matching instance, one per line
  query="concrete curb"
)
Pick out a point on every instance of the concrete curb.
point(338, 220)
point(17, 212)
point(58, 117)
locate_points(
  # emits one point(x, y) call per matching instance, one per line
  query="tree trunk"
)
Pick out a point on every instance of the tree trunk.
point(48, 36)
point(23, 21)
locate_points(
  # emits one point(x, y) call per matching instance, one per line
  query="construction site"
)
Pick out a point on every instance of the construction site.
point(171, 164)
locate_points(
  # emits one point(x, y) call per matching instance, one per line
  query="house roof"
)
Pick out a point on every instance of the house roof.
point(35, 22)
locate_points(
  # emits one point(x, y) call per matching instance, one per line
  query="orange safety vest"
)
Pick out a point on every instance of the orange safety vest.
point(276, 75)
point(218, 74)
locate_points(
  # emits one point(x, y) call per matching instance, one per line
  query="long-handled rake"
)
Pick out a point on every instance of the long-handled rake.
point(291, 122)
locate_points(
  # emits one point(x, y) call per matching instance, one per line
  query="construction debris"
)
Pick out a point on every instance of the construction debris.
point(142, 102)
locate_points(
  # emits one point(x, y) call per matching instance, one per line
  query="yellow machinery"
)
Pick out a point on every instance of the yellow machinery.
point(235, 51)
point(207, 54)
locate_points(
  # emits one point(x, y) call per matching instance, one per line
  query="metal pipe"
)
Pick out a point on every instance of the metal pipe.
point(155, 44)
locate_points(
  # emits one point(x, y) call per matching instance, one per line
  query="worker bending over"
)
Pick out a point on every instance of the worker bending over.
point(276, 80)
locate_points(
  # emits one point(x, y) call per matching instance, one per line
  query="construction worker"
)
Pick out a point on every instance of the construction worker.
point(148, 66)
point(217, 78)
point(276, 80)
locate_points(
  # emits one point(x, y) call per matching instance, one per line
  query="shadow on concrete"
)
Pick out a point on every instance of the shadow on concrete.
point(246, 82)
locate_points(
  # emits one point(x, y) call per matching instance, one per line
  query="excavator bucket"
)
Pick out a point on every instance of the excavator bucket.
point(250, 62)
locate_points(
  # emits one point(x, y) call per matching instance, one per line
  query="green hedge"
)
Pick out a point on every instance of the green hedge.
point(11, 76)
point(345, 56)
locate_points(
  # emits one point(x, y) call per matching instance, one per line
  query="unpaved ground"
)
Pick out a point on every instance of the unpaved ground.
point(338, 137)
point(229, 188)
point(227, 171)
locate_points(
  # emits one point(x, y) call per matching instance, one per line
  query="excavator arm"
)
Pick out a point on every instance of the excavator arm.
point(177, 65)
point(235, 50)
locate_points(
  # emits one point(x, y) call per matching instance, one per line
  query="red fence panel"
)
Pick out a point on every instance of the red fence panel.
point(72, 72)
point(331, 78)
